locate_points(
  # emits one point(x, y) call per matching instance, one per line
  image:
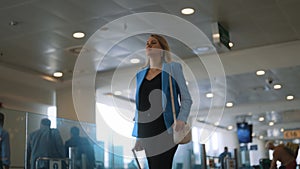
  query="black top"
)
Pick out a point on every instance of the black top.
point(150, 119)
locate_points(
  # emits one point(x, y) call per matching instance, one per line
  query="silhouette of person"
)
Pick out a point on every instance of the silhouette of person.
point(222, 156)
point(83, 147)
point(44, 142)
point(5, 145)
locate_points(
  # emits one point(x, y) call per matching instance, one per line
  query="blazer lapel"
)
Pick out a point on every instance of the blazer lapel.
point(165, 83)
point(141, 77)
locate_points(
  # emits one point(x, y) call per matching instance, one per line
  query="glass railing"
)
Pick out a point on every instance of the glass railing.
point(20, 124)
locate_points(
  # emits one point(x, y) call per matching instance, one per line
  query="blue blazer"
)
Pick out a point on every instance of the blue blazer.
point(179, 89)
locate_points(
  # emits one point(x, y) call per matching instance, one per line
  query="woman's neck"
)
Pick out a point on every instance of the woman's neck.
point(155, 63)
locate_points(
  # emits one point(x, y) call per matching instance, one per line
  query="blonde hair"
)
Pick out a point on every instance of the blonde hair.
point(165, 47)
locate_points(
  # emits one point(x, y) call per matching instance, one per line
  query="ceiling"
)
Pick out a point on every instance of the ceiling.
point(36, 38)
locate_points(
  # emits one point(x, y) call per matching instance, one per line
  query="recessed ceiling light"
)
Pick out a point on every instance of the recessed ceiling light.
point(216, 123)
point(261, 137)
point(187, 83)
point(58, 74)
point(282, 129)
point(78, 35)
point(290, 97)
point(135, 60)
point(277, 86)
point(230, 127)
point(209, 95)
point(261, 119)
point(118, 93)
point(230, 44)
point(253, 134)
point(260, 72)
point(271, 123)
point(187, 11)
point(229, 104)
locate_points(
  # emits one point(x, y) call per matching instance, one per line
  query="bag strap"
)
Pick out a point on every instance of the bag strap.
point(172, 98)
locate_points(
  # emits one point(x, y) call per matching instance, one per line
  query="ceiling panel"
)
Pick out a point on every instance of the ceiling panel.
point(42, 39)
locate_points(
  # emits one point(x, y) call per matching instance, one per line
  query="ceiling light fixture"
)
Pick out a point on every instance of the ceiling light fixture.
point(282, 129)
point(261, 137)
point(230, 44)
point(187, 11)
point(277, 86)
point(78, 35)
point(230, 127)
point(271, 123)
point(260, 72)
point(290, 97)
point(229, 104)
point(261, 119)
point(135, 60)
point(209, 95)
point(58, 74)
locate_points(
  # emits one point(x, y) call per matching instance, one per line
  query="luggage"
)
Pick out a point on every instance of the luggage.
point(136, 159)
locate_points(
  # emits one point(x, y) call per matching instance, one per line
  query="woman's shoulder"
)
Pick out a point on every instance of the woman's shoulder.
point(142, 69)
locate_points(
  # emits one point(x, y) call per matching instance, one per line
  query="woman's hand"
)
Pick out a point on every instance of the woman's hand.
point(179, 125)
point(138, 146)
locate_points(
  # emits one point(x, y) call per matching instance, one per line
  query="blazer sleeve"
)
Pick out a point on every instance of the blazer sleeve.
point(185, 97)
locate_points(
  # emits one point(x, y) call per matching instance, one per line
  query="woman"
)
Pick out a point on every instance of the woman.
point(154, 118)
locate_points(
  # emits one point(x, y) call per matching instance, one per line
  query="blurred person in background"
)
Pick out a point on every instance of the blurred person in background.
point(5, 145)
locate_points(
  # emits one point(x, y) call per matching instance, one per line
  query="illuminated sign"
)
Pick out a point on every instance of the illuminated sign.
point(291, 134)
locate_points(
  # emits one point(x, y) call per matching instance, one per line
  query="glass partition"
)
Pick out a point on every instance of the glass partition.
point(15, 124)
point(109, 153)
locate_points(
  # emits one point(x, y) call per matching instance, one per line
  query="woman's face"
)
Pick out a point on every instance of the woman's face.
point(153, 48)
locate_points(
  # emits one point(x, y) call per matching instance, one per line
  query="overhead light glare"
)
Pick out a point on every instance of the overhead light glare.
point(290, 97)
point(277, 86)
point(282, 129)
point(230, 127)
point(229, 104)
point(261, 119)
point(271, 123)
point(260, 72)
point(209, 95)
point(187, 11)
point(261, 137)
point(230, 44)
point(58, 74)
point(135, 60)
point(78, 35)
